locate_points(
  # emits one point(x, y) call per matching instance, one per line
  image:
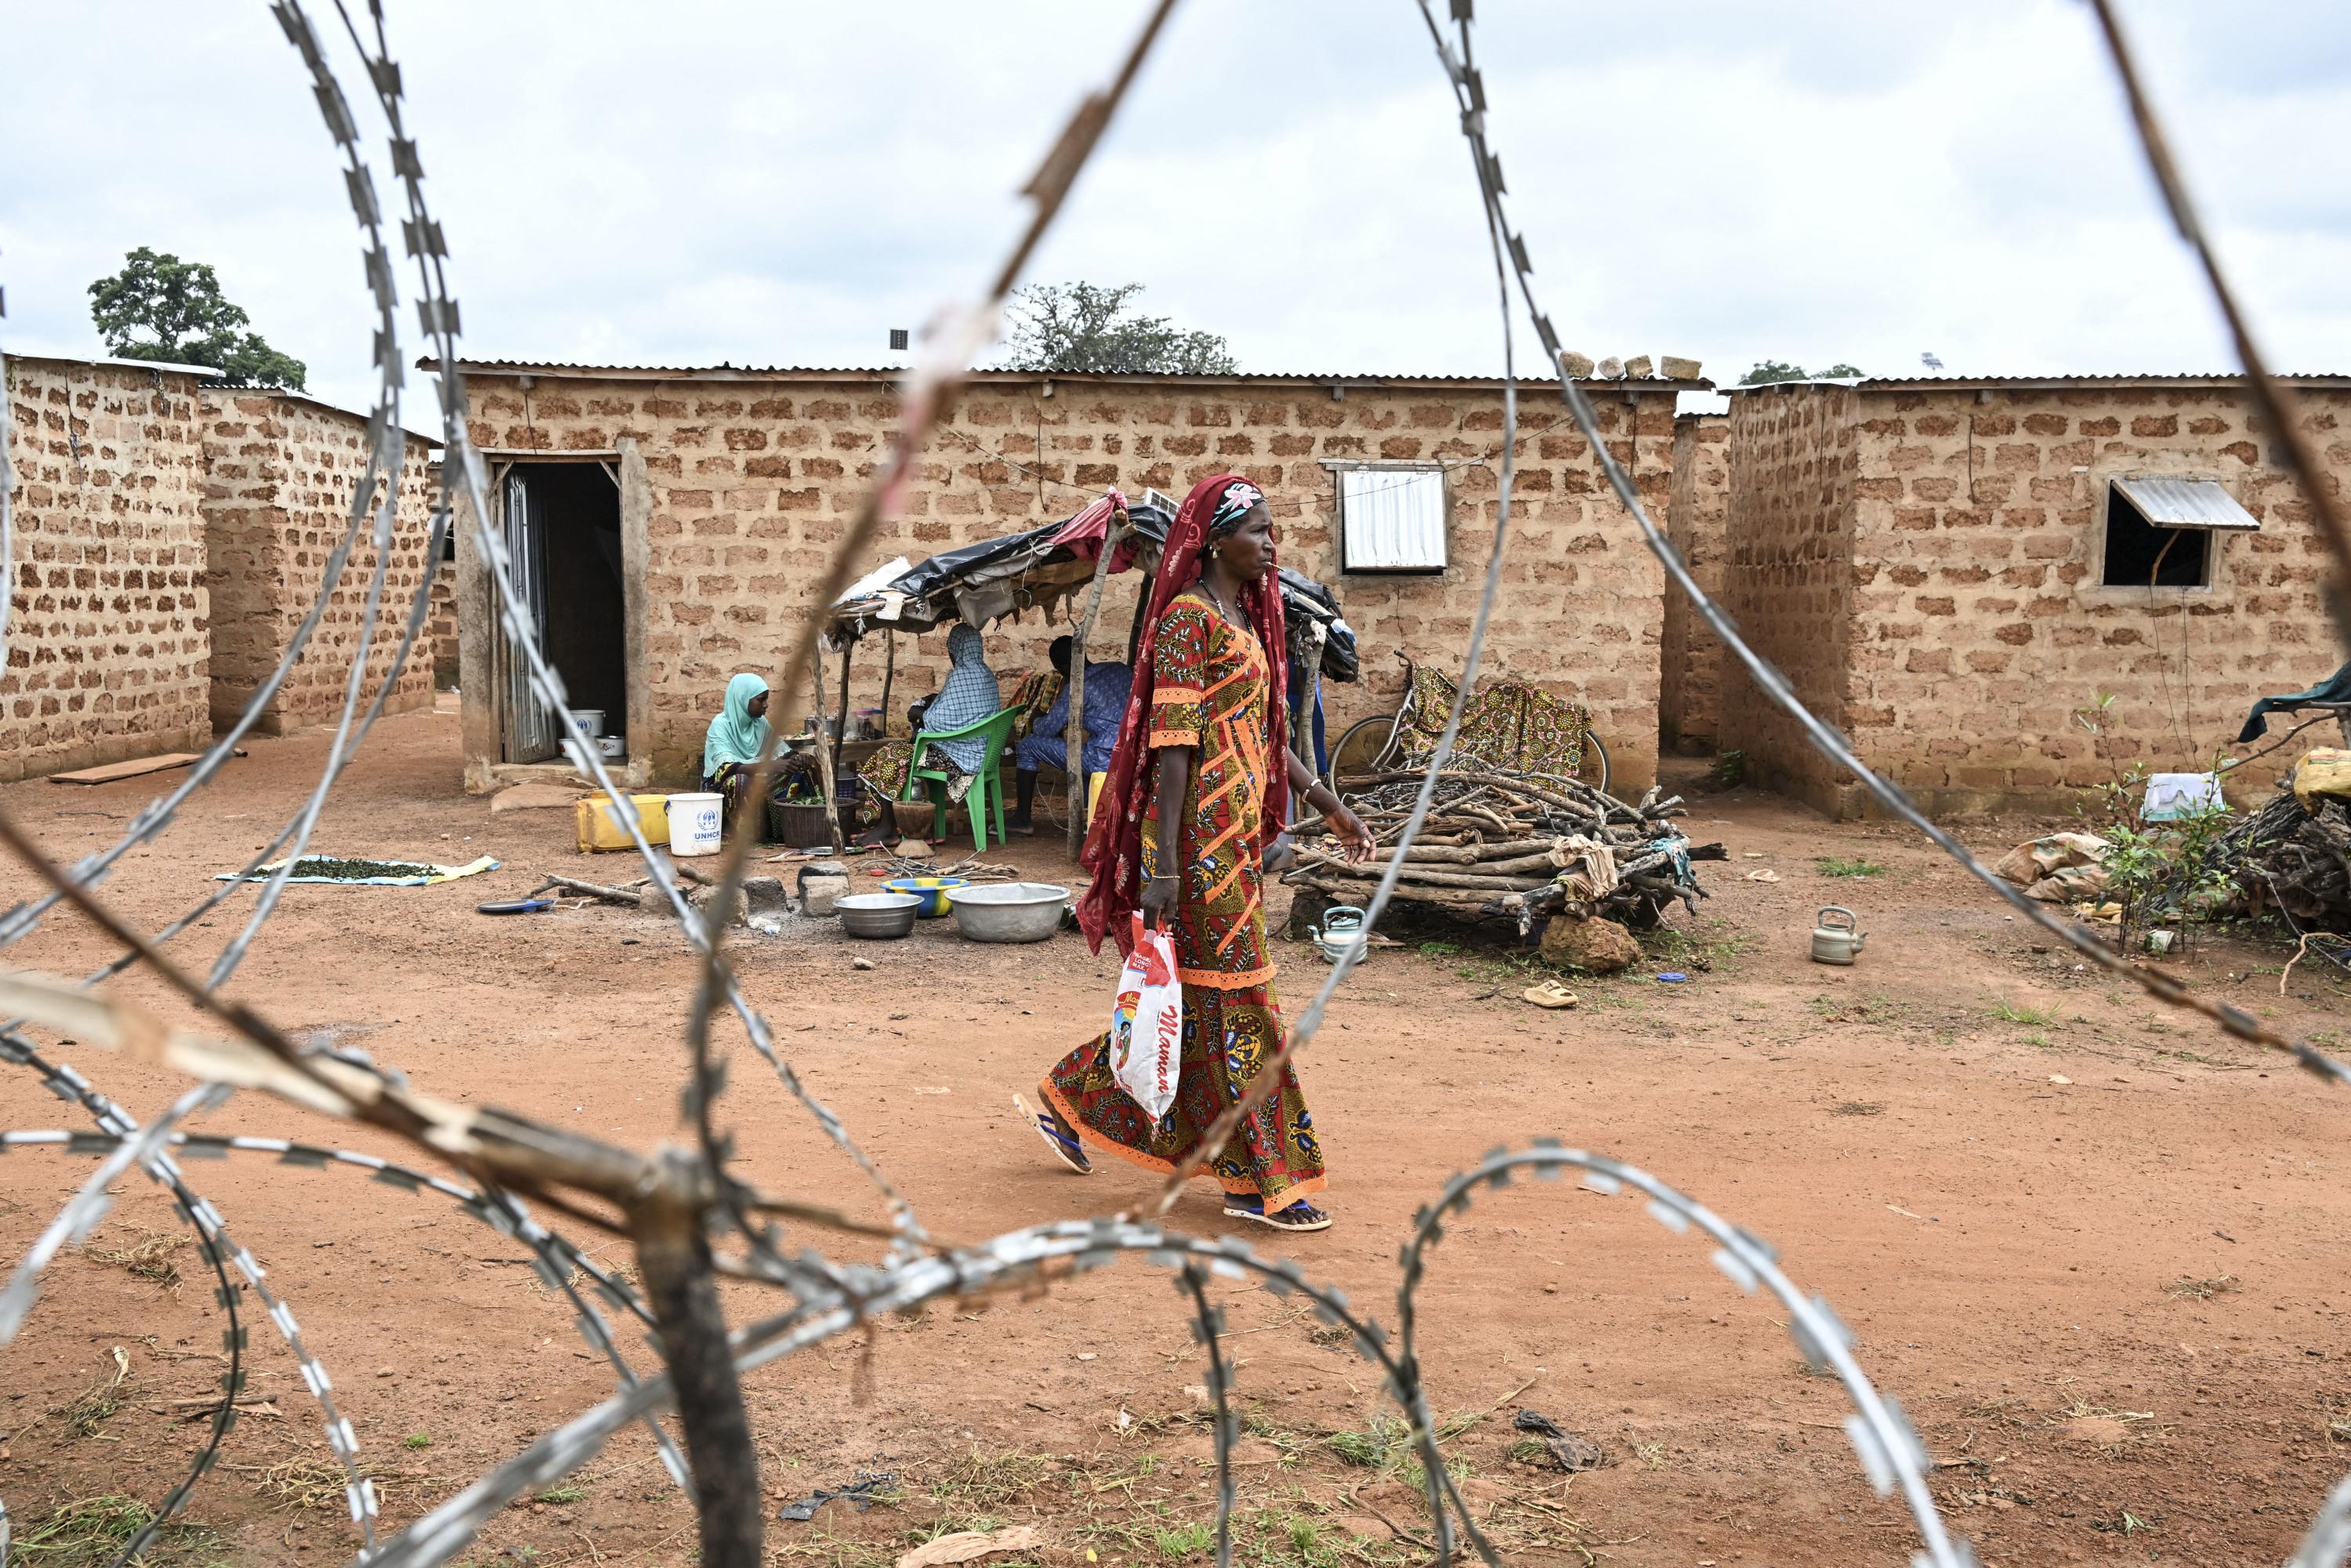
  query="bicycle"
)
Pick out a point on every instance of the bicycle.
point(1385, 742)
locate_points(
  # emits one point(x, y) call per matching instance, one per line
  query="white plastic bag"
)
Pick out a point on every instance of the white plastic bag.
point(1146, 1025)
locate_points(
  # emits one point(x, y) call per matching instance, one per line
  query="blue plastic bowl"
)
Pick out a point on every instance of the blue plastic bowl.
point(931, 890)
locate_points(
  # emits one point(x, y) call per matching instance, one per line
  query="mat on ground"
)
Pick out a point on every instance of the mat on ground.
point(360, 873)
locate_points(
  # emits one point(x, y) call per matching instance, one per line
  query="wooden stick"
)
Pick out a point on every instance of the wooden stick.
point(609, 894)
point(1074, 727)
point(1415, 875)
point(823, 752)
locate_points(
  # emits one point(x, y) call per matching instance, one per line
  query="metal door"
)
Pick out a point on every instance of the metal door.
point(530, 724)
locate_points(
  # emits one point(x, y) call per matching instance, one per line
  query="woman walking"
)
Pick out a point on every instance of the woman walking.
point(1198, 786)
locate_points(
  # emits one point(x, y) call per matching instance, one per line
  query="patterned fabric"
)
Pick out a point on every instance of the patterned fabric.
point(1211, 686)
point(1211, 693)
point(968, 696)
point(1047, 745)
point(1034, 694)
point(883, 772)
point(1226, 1035)
point(1509, 725)
point(1113, 850)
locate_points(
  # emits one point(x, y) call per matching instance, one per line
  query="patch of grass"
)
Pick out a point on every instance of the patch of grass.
point(1858, 1108)
point(1530, 1451)
point(1182, 1542)
point(1385, 1444)
point(86, 1411)
point(2037, 1039)
point(318, 1484)
point(1838, 865)
point(1684, 947)
point(985, 1481)
point(2007, 1011)
point(1440, 949)
point(417, 1440)
point(148, 1258)
point(2187, 1290)
point(563, 1494)
point(91, 1532)
point(1650, 1454)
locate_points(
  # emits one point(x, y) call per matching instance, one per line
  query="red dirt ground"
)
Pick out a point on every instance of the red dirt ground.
point(2008, 1212)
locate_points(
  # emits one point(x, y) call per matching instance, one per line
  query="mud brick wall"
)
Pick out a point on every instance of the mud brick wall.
point(1787, 578)
point(107, 643)
point(1978, 622)
point(1689, 706)
point(753, 482)
point(281, 470)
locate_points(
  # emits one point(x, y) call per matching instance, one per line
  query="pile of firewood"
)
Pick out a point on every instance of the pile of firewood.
point(1515, 846)
point(2290, 858)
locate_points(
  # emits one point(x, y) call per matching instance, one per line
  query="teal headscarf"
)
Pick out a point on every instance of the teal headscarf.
point(735, 736)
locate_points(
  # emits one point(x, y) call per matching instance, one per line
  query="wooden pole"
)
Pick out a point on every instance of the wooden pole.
point(824, 755)
point(889, 670)
point(1073, 729)
point(682, 1289)
point(840, 737)
point(1141, 609)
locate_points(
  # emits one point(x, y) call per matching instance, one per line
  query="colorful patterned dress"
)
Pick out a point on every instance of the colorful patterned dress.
point(1211, 693)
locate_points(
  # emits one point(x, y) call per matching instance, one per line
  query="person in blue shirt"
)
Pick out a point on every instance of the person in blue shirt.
point(1047, 744)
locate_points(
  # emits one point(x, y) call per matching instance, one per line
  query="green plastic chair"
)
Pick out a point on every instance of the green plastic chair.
point(987, 782)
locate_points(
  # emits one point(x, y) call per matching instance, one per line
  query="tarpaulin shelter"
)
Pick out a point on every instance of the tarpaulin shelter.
point(1042, 567)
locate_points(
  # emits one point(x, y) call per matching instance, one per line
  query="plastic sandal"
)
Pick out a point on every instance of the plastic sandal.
point(1298, 1216)
point(1065, 1148)
point(1550, 994)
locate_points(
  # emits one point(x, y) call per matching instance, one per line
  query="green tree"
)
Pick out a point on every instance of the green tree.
point(1085, 328)
point(1769, 370)
point(161, 308)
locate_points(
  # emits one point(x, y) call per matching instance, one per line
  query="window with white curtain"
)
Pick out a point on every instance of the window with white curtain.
point(1391, 520)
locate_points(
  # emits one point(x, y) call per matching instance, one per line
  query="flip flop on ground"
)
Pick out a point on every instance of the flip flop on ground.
point(1298, 1216)
point(1550, 994)
point(1057, 1135)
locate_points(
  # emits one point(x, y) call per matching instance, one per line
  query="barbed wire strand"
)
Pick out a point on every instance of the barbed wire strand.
point(2278, 405)
point(387, 447)
point(1269, 1078)
point(1882, 1437)
point(908, 1283)
point(554, 1261)
point(462, 473)
point(67, 1085)
point(929, 392)
point(2329, 1543)
point(1823, 736)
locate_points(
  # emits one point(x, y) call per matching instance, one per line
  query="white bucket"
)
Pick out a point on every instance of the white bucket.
point(694, 823)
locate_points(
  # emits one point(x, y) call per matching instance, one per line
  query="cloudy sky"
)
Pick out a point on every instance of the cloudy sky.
point(783, 183)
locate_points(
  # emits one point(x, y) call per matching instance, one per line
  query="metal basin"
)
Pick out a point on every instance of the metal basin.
point(931, 890)
point(877, 914)
point(1008, 911)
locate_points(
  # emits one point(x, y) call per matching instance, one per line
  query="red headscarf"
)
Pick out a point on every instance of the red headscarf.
point(1114, 850)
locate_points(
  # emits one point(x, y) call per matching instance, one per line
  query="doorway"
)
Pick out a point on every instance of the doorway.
point(563, 534)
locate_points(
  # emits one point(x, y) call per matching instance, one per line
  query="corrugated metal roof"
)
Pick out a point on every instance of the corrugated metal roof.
point(2188, 504)
point(2026, 383)
point(722, 372)
point(206, 371)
